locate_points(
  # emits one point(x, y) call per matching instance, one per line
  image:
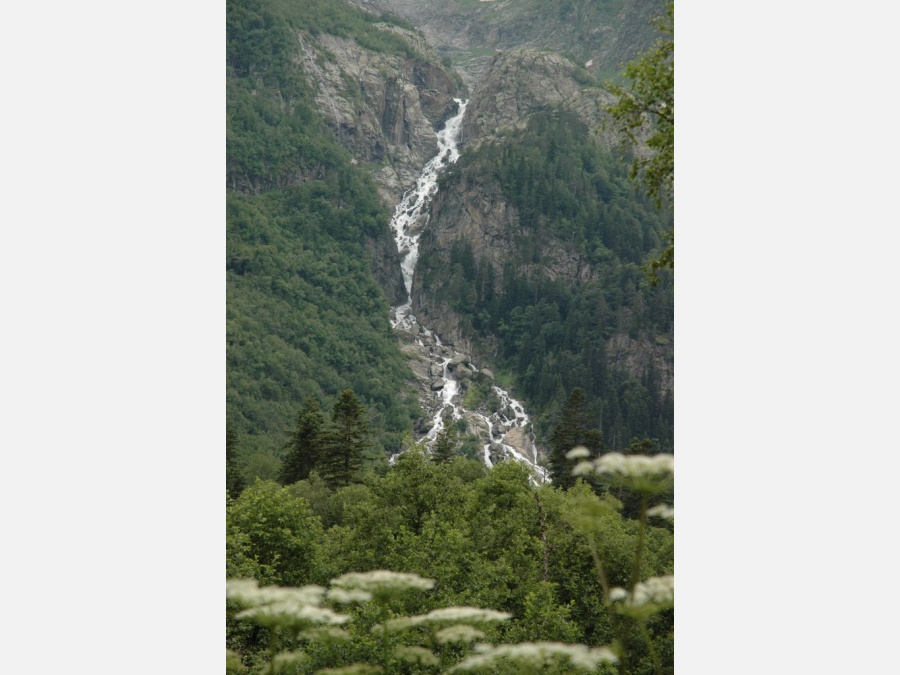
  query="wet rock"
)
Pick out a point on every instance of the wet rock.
point(437, 385)
point(488, 374)
point(462, 373)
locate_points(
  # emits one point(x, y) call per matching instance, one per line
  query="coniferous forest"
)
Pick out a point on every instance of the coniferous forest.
point(355, 543)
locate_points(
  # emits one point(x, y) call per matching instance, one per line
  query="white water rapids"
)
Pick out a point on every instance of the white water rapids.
point(407, 224)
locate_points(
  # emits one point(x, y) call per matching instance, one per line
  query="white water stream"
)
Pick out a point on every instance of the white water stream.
point(407, 224)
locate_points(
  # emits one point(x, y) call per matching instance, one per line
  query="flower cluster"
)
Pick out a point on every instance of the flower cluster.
point(382, 584)
point(646, 474)
point(537, 654)
point(648, 597)
point(274, 606)
point(445, 615)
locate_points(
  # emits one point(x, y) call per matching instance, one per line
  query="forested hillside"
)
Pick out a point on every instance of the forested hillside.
point(568, 294)
point(306, 229)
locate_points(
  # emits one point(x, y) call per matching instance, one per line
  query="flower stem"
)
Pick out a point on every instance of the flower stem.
point(653, 655)
point(636, 570)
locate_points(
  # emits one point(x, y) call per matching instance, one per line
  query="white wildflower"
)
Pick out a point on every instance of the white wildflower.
point(649, 597)
point(290, 613)
point(658, 590)
point(459, 633)
point(383, 582)
point(247, 592)
point(579, 452)
point(643, 473)
point(352, 669)
point(327, 633)
point(445, 614)
point(416, 655)
point(537, 654)
point(347, 595)
point(662, 511)
point(583, 468)
point(616, 594)
point(285, 659)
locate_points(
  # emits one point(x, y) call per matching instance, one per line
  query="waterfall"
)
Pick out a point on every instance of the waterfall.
point(408, 223)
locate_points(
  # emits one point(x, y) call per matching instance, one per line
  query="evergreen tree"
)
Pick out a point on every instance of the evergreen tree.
point(445, 446)
point(305, 447)
point(573, 429)
point(234, 481)
point(345, 439)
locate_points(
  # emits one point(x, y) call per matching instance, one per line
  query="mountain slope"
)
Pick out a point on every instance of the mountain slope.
point(311, 265)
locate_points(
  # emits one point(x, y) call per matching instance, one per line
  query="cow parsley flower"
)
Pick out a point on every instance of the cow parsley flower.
point(347, 595)
point(649, 597)
point(445, 615)
point(352, 669)
point(288, 659)
point(383, 584)
point(647, 474)
point(578, 452)
point(458, 633)
point(416, 655)
point(537, 654)
point(291, 614)
point(248, 593)
point(662, 511)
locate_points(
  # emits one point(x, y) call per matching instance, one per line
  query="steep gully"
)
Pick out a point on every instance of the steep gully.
point(409, 221)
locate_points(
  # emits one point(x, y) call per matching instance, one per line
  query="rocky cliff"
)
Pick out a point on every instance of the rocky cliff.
point(601, 35)
point(384, 108)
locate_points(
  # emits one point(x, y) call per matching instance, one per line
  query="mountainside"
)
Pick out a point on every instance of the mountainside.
point(531, 257)
point(599, 34)
point(531, 251)
point(311, 265)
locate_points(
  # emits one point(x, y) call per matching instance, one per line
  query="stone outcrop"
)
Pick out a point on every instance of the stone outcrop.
point(384, 108)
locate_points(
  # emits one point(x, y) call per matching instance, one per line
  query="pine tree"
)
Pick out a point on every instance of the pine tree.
point(345, 440)
point(305, 446)
point(572, 430)
point(444, 446)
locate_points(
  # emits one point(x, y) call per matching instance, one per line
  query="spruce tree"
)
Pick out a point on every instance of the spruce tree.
point(304, 448)
point(573, 429)
point(345, 440)
point(444, 446)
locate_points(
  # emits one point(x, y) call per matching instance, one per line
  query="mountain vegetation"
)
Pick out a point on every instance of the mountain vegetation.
point(485, 539)
point(552, 329)
point(344, 554)
point(305, 315)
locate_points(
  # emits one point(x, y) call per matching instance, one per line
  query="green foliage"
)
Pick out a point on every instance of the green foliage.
point(650, 101)
point(234, 481)
point(304, 315)
point(273, 528)
point(563, 563)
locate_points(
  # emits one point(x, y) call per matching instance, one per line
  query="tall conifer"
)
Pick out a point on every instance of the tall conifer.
point(345, 440)
point(573, 429)
point(305, 447)
point(444, 446)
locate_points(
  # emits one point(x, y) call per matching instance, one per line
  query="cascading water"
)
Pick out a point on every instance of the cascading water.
point(407, 224)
